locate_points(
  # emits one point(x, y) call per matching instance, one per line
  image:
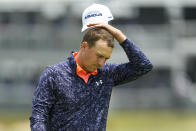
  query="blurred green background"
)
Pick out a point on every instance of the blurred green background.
point(119, 120)
point(35, 34)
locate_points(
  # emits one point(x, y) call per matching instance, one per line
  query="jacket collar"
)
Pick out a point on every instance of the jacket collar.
point(73, 64)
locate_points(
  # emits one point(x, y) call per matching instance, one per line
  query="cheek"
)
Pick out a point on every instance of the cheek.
point(91, 59)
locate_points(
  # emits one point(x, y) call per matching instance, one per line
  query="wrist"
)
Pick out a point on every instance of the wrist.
point(119, 36)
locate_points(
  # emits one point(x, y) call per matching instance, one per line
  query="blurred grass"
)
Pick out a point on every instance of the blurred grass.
point(14, 120)
point(118, 120)
point(152, 120)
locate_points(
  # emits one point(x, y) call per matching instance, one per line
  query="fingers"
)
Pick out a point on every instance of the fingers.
point(102, 25)
point(97, 25)
point(118, 35)
point(108, 27)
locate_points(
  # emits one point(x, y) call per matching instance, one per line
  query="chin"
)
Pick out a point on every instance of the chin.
point(92, 69)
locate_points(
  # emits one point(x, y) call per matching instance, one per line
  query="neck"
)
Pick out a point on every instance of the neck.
point(80, 58)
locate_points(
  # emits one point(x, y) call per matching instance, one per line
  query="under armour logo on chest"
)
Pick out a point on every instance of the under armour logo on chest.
point(100, 82)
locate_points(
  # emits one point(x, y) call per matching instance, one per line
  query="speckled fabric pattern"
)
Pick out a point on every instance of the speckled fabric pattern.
point(64, 102)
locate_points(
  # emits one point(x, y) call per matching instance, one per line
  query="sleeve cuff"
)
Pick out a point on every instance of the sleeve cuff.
point(126, 43)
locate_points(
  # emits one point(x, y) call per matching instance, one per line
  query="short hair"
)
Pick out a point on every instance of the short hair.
point(95, 34)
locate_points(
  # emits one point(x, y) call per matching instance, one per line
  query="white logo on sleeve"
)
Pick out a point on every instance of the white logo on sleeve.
point(100, 82)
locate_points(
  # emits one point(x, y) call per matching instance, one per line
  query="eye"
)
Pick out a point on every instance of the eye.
point(100, 56)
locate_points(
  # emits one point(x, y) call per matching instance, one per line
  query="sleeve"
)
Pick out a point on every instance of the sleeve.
point(137, 66)
point(42, 102)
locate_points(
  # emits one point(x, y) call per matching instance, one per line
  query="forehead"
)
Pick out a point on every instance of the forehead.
point(101, 47)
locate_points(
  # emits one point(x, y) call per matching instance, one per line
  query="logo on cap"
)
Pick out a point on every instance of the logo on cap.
point(93, 14)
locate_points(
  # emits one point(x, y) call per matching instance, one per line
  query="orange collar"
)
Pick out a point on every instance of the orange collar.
point(81, 72)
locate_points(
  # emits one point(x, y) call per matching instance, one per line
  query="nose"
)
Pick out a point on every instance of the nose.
point(101, 62)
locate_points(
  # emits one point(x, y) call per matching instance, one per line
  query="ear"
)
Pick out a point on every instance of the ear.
point(84, 44)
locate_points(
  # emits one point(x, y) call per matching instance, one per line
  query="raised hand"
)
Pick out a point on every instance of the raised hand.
point(118, 35)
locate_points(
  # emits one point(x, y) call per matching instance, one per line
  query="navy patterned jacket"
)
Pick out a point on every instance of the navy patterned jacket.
point(64, 102)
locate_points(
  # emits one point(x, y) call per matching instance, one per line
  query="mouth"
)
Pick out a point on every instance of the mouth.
point(94, 67)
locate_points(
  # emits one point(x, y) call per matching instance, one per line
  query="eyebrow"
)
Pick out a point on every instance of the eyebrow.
point(102, 55)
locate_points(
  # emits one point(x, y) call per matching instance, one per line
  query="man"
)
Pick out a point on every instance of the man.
point(74, 95)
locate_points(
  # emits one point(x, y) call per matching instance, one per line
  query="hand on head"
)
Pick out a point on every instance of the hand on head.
point(118, 35)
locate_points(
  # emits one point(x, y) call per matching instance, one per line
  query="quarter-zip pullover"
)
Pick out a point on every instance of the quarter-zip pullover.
point(64, 102)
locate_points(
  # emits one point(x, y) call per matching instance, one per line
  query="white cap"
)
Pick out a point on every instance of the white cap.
point(95, 13)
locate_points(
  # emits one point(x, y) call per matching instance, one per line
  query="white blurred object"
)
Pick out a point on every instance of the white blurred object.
point(184, 87)
point(53, 11)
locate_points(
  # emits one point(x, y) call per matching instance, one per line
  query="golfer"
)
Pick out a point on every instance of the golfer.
point(74, 95)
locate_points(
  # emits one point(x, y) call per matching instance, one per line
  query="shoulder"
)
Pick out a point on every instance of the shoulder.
point(58, 68)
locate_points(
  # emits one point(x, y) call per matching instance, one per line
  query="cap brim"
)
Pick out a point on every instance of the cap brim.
point(84, 28)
